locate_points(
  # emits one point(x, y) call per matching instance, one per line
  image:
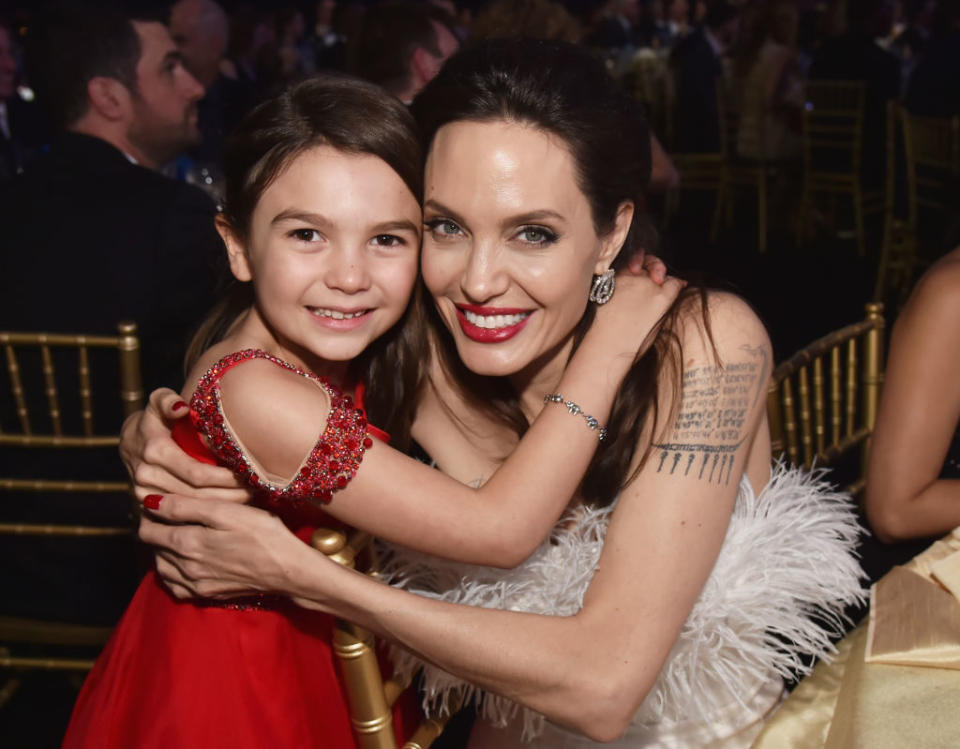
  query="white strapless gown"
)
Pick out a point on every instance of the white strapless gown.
point(785, 572)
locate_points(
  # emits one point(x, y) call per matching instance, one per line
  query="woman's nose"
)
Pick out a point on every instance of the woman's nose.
point(484, 277)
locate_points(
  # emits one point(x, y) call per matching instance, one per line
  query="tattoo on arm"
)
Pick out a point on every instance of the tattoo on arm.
point(710, 426)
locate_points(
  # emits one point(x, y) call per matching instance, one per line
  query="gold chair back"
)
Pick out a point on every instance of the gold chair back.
point(832, 145)
point(822, 402)
point(58, 433)
point(931, 163)
point(370, 697)
point(932, 146)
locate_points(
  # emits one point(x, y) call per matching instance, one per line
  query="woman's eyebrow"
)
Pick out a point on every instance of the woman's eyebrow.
point(531, 216)
point(440, 208)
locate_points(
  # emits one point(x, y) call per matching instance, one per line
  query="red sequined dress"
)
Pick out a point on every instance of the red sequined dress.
point(247, 674)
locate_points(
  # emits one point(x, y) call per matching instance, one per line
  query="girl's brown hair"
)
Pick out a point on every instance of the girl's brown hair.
point(355, 117)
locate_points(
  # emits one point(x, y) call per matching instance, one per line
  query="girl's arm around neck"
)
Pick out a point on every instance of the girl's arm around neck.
point(277, 417)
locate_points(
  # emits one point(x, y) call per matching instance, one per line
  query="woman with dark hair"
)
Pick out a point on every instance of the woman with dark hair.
point(322, 227)
point(685, 581)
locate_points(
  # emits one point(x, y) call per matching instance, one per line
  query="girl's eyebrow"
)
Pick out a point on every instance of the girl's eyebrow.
point(317, 219)
point(398, 225)
point(293, 214)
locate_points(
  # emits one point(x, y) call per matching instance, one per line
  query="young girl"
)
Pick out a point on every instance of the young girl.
point(322, 216)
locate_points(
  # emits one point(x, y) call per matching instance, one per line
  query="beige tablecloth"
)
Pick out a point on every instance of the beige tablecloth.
point(895, 681)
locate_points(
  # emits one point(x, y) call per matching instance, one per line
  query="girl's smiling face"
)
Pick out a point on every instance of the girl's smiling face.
point(332, 252)
point(510, 247)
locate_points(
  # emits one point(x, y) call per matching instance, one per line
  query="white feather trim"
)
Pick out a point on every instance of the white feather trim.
point(773, 601)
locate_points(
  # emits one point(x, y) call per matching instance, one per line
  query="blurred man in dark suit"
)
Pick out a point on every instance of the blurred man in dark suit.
point(23, 131)
point(90, 234)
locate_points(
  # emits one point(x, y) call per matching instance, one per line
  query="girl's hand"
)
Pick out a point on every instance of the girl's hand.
point(641, 263)
point(219, 549)
point(628, 323)
point(156, 463)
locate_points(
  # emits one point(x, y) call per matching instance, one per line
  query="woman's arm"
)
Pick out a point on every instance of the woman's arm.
point(919, 413)
point(590, 671)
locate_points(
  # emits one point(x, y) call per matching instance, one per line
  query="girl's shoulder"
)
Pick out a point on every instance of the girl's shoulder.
point(273, 410)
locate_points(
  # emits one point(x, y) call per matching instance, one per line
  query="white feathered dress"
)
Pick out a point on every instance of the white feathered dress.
point(775, 597)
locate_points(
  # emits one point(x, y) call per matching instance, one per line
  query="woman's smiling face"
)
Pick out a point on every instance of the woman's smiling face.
point(510, 247)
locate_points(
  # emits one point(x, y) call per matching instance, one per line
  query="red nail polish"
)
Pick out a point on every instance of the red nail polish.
point(152, 501)
point(179, 404)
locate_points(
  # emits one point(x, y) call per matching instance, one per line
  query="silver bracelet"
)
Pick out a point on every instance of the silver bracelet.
point(575, 409)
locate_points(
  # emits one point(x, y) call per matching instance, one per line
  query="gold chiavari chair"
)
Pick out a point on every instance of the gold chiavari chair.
point(370, 697)
point(931, 148)
point(832, 142)
point(699, 172)
point(57, 430)
point(740, 171)
point(822, 402)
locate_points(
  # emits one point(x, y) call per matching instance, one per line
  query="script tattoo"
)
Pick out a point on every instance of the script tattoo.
point(710, 425)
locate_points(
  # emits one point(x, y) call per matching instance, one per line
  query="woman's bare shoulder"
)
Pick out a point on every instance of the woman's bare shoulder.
point(938, 290)
point(720, 324)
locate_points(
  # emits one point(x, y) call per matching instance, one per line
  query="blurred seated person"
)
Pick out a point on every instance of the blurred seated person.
point(767, 81)
point(323, 47)
point(617, 25)
point(201, 31)
point(854, 56)
point(90, 233)
point(670, 22)
point(23, 130)
point(403, 46)
point(913, 477)
point(696, 66)
point(934, 86)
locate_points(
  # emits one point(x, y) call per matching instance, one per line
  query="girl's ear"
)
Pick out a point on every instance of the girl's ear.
point(236, 252)
point(612, 243)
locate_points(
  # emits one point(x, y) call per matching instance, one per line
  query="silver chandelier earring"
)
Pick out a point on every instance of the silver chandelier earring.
point(601, 291)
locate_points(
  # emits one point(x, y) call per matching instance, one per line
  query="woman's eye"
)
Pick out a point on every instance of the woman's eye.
point(305, 235)
point(536, 235)
point(442, 227)
point(387, 240)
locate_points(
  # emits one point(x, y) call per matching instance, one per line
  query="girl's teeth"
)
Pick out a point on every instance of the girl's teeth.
point(494, 321)
point(337, 315)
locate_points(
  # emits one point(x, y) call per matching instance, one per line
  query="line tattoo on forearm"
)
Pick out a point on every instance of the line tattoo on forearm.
point(710, 426)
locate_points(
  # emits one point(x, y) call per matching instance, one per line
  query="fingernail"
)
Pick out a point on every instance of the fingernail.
point(179, 404)
point(152, 501)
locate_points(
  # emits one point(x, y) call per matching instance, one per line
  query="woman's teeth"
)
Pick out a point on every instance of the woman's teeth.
point(336, 314)
point(494, 321)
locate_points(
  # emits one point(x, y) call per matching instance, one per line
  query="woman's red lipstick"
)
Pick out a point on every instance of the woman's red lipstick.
point(490, 335)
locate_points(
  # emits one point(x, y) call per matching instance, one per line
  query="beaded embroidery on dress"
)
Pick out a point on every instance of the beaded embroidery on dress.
point(332, 462)
point(774, 599)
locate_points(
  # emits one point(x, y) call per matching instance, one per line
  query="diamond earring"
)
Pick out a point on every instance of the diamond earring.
point(601, 291)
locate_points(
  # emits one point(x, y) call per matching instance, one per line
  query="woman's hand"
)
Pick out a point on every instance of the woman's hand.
point(156, 463)
point(220, 549)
